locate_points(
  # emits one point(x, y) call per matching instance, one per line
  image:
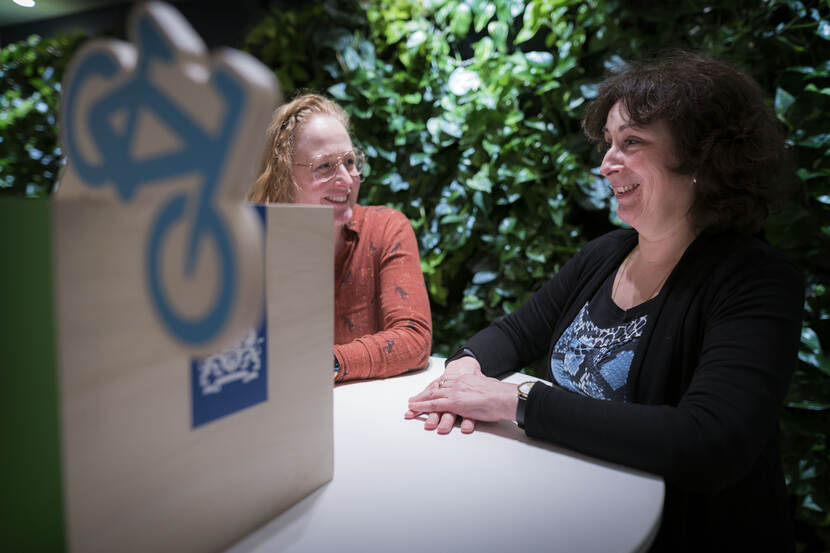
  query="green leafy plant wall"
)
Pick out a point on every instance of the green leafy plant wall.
point(477, 141)
point(30, 74)
point(469, 112)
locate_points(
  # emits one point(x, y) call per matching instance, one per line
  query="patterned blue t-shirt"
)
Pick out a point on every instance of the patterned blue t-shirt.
point(593, 355)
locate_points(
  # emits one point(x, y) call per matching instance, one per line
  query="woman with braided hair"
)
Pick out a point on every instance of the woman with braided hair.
point(382, 323)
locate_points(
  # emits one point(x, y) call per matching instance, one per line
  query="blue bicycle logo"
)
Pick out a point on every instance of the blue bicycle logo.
point(203, 153)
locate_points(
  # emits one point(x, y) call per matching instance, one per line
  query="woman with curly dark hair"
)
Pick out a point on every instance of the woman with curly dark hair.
point(670, 345)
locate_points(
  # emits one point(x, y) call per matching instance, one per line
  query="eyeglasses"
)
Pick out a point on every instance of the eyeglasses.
point(324, 167)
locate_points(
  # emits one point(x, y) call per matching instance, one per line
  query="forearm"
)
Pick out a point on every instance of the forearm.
point(495, 352)
point(513, 342)
point(385, 353)
point(690, 448)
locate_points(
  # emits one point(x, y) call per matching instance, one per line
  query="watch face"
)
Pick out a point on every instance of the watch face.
point(524, 388)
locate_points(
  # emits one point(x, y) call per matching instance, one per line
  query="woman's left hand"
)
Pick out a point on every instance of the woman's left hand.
point(471, 396)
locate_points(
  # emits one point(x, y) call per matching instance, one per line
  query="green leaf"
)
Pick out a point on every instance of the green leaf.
point(395, 32)
point(461, 19)
point(483, 277)
point(484, 15)
point(815, 141)
point(484, 48)
point(395, 182)
point(542, 60)
point(536, 255)
point(783, 101)
point(416, 39)
point(810, 339)
point(481, 180)
point(498, 32)
point(471, 303)
point(530, 23)
point(813, 88)
point(437, 291)
point(338, 91)
point(414, 98)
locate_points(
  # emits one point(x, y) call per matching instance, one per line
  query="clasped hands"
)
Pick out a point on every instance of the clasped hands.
point(463, 391)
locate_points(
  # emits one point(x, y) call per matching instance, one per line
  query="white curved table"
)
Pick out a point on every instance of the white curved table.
point(399, 488)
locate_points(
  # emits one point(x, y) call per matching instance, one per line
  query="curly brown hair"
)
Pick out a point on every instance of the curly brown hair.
point(276, 181)
point(726, 136)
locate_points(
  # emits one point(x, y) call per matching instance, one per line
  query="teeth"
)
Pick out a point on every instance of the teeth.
point(624, 189)
point(337, 199)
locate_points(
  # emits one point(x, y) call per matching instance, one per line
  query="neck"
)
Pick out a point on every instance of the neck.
point(644, 271)
point(339, 239)
point(665, 250)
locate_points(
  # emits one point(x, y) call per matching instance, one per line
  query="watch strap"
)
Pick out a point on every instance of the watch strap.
point(521, 406)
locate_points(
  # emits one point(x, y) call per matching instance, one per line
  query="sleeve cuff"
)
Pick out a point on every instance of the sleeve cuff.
point(463, 352)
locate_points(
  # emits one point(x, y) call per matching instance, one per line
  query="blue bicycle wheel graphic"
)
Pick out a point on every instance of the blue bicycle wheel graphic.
point(204, 328)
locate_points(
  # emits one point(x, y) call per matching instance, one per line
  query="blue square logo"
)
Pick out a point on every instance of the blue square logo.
point(234, 379)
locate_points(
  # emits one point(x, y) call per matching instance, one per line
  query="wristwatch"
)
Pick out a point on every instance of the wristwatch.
point(523, 391)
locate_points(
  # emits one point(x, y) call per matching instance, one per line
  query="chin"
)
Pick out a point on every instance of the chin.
point(341, 217)
point(625, 216)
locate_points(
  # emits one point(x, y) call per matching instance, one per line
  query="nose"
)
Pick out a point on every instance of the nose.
point(342, 178)
point(611, 162)
point(342, 172)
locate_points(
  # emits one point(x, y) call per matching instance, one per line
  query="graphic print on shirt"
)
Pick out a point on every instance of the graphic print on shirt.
point(594, 361)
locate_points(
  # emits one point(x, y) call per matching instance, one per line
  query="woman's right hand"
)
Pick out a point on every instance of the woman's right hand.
point(443, 422)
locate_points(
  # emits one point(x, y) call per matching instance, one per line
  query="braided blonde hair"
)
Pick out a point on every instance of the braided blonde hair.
point(276, 181)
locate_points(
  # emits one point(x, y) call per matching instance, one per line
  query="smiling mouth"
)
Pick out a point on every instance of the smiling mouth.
point(338, 199)
point(624, 189)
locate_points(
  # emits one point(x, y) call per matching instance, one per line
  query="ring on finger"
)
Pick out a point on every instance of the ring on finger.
point(442, 383)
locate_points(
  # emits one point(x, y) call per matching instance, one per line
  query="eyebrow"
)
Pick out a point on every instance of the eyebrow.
point(622, 127)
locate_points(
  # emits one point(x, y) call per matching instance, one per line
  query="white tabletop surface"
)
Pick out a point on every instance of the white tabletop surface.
point(399, 488)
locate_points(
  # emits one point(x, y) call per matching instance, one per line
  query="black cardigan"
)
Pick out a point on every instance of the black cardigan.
point(708, 380)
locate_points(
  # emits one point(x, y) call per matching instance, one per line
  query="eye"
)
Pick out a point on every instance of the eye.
point(631, 141)
point(322, 166)
point(604, 146)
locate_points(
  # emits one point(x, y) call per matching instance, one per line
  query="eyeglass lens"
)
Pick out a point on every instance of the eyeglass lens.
point(325, 167)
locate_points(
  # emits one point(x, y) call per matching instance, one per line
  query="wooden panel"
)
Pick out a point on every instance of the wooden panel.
point(138, 476)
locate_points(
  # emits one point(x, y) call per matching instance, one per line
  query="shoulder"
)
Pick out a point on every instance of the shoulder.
point(613, 240)
point(380, 218)
point(743, 253)
point(608, 246)
point(380, 213)
point(744, 262)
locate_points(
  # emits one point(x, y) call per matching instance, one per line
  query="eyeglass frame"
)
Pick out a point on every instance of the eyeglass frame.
point(358, 154)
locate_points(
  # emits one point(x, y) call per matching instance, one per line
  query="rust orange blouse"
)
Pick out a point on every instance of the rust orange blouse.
point(382, 321)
